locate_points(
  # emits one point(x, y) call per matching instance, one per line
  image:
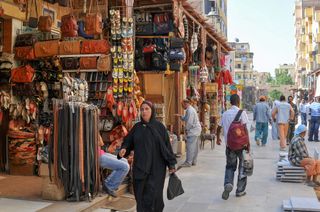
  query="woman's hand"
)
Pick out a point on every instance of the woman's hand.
point(122, 152)
point(172, 170)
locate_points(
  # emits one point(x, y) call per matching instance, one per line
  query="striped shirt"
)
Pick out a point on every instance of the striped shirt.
point(315, 109)
point(297, 150)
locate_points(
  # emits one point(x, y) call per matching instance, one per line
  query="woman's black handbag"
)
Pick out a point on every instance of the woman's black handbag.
point(174, 187)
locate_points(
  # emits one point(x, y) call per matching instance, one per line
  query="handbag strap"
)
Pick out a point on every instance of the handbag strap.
point(237, 118)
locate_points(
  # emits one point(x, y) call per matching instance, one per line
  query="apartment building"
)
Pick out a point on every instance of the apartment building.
point(307, 33)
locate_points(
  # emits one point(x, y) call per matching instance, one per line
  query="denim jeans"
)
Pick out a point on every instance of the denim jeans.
point(120, 169)
point(192, 149)
point(262, 132)
point(304, 119)
point(314, 130)
point(232, 161)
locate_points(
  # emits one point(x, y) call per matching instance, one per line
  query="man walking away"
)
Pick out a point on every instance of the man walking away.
point(275, 130)
point(262, 116)
point(293, 122)
point(193, 131)
point(282, 114)
point(303, 112)
point(315, 121)
point(233, 157)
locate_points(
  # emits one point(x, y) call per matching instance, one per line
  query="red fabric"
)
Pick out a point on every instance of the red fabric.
point(227, 78)
point(223, 61)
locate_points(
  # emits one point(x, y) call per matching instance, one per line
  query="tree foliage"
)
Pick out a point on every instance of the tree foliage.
point(283, 79)
point(275, 94)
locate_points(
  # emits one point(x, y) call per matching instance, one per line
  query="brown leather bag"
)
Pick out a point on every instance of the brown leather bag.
point(69, 47)
point(93, 21)
point(22, 74)
point(69, 26)
point(88, 63)
point(24, 53)
point(104, 63)
point(95, 47)
point(45, 23)
point(47, 48)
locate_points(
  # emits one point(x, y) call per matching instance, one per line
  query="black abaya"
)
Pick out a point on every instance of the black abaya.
point(152, 154)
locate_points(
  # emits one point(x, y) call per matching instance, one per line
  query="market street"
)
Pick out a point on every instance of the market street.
point(203, 184)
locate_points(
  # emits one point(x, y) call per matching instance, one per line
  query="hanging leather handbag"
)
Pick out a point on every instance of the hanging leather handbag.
point(159, 62)
point(176, 54)
point(88, 63)
point(95, 47)
point(69, 26)
point(93, 21)
point(104, 63)
point(70, 63)
point(176, 43)
point(24, 53)
point(33, 21)
point(45, 23)
point(22, 74)
point(46, 48)
point(81, 31)
point(69, 47)
point(25, 40)
point(149, 48)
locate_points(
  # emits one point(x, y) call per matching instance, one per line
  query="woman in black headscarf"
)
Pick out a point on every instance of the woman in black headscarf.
point(152, 154)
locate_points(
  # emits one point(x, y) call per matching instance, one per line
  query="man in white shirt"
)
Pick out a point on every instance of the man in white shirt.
point(232, 156)
point(193, 131)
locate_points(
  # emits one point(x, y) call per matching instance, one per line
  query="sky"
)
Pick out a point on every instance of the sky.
point(268, 25)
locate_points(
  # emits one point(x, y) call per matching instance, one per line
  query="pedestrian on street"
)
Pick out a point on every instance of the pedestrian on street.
point(282, 114)
point(309, 117)
point(292, 122)
point(275, 128)
point(315, 121)
point(233, 157)
point(152, 154)
point(261, 115)
point(298, 156)
point(120, 169)
point(303, 112)
point(193, 131)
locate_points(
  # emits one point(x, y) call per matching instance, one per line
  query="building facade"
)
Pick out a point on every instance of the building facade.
point(215, 11)
point(307, 33)
point(286, 68)
point(243, 64)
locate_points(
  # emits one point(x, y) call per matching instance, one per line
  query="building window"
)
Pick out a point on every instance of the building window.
point(238, 65)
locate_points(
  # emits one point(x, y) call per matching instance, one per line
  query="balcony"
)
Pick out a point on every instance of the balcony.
point(308, 12)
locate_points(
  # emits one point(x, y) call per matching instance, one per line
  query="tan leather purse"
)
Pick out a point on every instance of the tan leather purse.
point(104, 63)
point(88, 63)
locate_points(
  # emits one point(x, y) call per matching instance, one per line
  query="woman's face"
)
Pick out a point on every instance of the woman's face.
point(146, 112)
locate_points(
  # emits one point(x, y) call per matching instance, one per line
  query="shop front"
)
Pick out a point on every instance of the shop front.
point(74, 70)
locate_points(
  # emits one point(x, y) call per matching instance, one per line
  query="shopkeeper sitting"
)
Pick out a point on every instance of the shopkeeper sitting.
point(120, 168)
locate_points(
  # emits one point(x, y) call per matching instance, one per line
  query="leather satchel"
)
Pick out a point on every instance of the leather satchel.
point(45, 23)
point(95, 47)
point(70, 63)
point(93, 21)
point(104, 63)
point(46, 48)
point(25, 40)
point(69, 47)
point(24, 53)
point(22, 74)
point(69, 26)
point(88, 63)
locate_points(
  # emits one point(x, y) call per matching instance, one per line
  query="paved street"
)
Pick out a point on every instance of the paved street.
point(203, 184)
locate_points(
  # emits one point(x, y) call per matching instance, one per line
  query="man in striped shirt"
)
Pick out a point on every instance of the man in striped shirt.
point(315, 121)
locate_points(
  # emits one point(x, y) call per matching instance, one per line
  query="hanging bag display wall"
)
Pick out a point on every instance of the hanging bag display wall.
point(93, 21)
